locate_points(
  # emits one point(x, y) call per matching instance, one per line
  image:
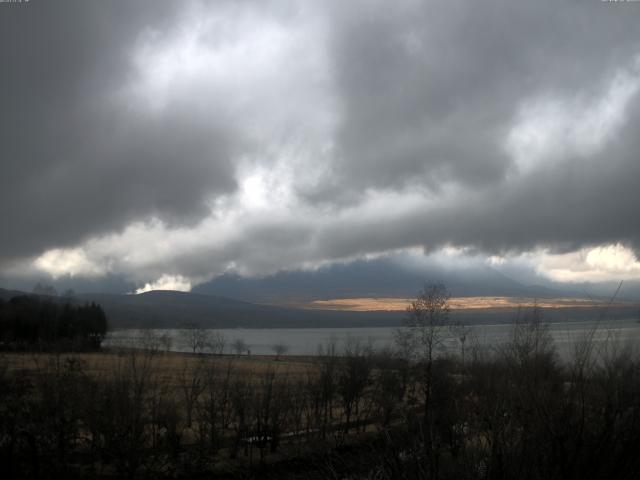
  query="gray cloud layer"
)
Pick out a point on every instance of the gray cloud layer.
point(76, 160)
point(501, 126)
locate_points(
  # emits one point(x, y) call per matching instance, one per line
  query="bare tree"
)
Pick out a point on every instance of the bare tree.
point(387, 392)
point(279, 349)
point(462, 333)
point(353, 377)
point(271, 410)
point(192, 386)
point(242, 404)
point(216, 342)
point(214, 410)
point(326, 383)
point(531, 339)
point(195, 338)
point(149, 341)
point(239, 346)
point(166, 341)
point(423, 332)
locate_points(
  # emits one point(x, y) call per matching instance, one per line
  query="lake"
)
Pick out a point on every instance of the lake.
point(305, 341)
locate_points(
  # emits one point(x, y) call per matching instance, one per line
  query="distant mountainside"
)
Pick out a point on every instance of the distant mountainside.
point(162, 308)
point(174, 309)
point(158, 309)
point(374, 278)
point(7, 294)
point(170, 309)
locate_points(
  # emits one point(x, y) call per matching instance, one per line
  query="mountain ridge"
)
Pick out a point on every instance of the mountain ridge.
point(382, 277)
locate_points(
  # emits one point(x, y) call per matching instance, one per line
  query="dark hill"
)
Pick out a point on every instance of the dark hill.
point(173, 309)
point(170, 309)
point(7, 294)
point(376, 278)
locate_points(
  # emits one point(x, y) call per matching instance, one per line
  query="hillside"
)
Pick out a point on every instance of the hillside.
point(375, 278)
point(170, 309)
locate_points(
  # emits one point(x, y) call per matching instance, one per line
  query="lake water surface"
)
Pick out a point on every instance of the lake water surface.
point(305, 341)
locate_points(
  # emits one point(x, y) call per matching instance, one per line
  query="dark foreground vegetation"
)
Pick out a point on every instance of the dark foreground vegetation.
point(515, 412)
point(29, 322)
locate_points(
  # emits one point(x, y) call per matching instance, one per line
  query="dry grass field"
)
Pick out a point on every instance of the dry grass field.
point(366, 304)
point(170, 366)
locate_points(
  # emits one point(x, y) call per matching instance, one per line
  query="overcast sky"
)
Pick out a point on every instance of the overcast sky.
point(169, 142)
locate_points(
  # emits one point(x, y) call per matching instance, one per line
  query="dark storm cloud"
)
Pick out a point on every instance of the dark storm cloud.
point(364, 127)
point(77, 162)
point(580, 202)
point(431, 90)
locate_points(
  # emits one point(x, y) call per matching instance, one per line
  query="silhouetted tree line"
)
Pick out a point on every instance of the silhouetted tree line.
point(513, 411)
point(30, 321)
